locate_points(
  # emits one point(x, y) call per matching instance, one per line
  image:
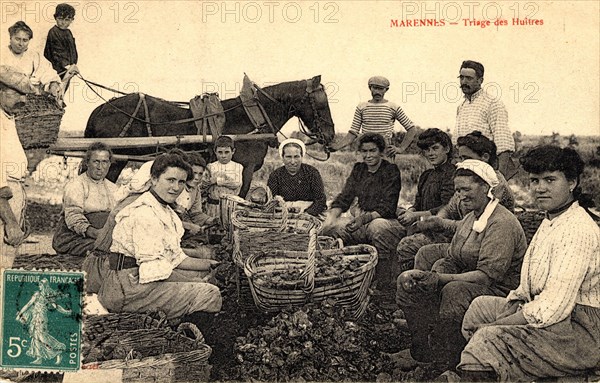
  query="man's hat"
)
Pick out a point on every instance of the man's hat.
point(379, 81)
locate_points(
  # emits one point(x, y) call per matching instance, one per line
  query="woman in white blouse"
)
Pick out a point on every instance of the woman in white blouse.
point(550, 325)
point(19, 57)
point(148, 268)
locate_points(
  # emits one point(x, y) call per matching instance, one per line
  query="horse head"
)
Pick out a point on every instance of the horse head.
point(312, 109)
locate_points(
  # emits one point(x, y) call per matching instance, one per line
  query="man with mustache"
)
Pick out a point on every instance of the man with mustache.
point(482, 112)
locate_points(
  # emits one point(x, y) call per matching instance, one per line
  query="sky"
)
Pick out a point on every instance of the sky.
point(547, 74)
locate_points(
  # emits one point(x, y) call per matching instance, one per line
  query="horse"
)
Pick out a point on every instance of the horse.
point(304, 99)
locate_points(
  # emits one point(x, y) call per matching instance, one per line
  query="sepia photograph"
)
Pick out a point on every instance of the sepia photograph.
point(299, 191)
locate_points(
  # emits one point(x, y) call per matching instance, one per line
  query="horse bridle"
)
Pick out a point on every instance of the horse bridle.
point(318, 136)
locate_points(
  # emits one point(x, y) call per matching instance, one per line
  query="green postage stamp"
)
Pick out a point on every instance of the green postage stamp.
point(41, 320)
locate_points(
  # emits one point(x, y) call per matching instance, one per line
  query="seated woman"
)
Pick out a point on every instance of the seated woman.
point(435, 186)
point(375, 183)
point(549, 326)
point(441, 227)
point(148, 268)
point(19, 57)
point(483, 258)
point(87, 201)
point(300, 185)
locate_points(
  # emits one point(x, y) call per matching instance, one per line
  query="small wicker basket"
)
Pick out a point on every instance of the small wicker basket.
point(158, 355)
point(349, 287)
point(38, 121)
point(48, 261)
point(530, 220)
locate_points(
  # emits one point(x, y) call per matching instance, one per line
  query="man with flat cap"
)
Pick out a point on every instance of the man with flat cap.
point(487, 114)
point(378, 116)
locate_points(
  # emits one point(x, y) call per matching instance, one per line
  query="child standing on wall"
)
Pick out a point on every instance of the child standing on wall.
point(60, 48)
point(224, 177)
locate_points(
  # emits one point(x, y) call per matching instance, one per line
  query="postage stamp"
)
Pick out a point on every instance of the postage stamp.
point(41, 320)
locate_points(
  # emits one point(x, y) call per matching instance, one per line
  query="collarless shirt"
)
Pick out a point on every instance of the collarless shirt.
point(561, 268)
point(306, 185)
point(487, 115)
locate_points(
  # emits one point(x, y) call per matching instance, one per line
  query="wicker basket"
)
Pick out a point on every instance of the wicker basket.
point(48, 261)
point(38, 121)
point(100, 328)
point(530, 221)
point(245, 299)
point(254, 231)
point(279, 230)
point(349, 287)
point(158, 355)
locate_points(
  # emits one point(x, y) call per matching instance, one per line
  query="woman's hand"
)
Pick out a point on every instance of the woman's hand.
point(92, 232)
point(392, 150)
point(432, 223)
point(408, 218)
point(55, 91)
point(418, 280)
point(13, 236)
point(192, 228)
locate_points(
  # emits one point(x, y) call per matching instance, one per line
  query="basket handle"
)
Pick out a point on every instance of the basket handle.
point(199, 338)
point(309, 271)
point(277, 201)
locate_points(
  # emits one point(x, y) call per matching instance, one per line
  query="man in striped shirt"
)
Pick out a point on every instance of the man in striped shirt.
point(378, 115)
point(482, 112)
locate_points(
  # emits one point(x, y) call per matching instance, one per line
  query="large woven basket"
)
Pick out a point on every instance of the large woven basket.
point(158, 355)
point(38, 121)
point(284, 278)
point(277, 230)
point(254, 230)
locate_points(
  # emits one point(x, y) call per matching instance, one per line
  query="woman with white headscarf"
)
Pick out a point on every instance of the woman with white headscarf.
point(484, 258)
point(300, 185)
point(549, 326)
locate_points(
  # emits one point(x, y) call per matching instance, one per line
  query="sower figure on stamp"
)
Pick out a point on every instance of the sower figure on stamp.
point(34, 314)
point(378, 116)
point(482, 112)
point(376, 184)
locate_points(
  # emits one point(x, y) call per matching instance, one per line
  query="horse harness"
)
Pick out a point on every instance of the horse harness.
point(253, 102)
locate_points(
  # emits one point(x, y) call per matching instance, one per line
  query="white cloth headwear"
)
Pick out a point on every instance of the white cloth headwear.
point(488, 174)
point(483, 170)
point(140, 182)
point(292, 141)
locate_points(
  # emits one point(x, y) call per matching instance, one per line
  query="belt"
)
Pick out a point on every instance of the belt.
point(213, 201)
point(118, 261)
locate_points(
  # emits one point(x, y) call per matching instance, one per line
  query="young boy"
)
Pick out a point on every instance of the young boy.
point(224, 177)
point(60, 47)
point(378, 116)
point(435, 186)
point(189, 203)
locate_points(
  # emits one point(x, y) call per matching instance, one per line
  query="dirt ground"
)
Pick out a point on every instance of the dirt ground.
point(385, 334)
